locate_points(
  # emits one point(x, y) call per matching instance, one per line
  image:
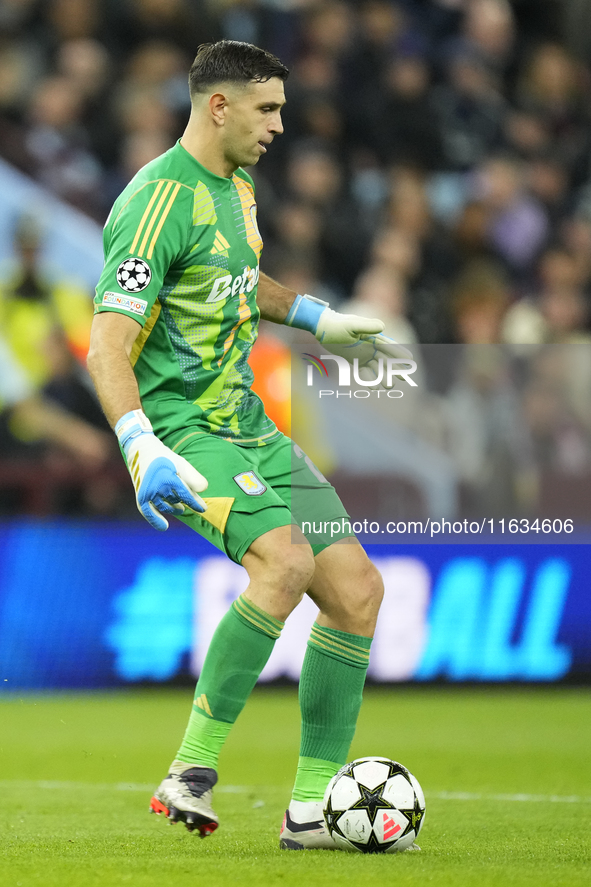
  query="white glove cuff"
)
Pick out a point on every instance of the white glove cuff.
point(130, 426)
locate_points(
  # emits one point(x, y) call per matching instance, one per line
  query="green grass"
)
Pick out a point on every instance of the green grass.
point(76, 772)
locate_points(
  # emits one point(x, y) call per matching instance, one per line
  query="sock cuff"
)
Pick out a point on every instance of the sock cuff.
point(319, 764)
point(350, 648)
point(201, 744)
point(257, 618)
point(312, 777)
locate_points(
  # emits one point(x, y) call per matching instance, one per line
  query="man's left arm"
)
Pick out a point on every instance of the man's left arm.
point(355, 338)
point(282, 305)
point(274, 300)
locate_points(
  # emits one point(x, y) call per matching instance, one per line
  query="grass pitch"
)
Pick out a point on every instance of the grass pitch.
point(507, 777)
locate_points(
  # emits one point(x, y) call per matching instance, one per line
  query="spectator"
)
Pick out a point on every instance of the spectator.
point(381, 292)
point(46, 323)
point(74, 19)
point(558, 312)
point(518, 224)
point(58, 146)
point(551, 87)
point(488, 437)
point(556, 407)
point(488, 29)
point(317, 179)
point(471, 110)
point(398, 250)
point(182, 23)
point(297, 235)
point(479, 300)
point(328, 28)
point(527, 133)
point(401, 125)
point(87, 65)
point(36, 418)
point(576, 235)
point(409, 210)
point(382, 27)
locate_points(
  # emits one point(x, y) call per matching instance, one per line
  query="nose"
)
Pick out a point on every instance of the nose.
point(276, 124)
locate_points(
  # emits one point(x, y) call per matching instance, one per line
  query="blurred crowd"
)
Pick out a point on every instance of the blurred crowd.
point(422, 137)
point(435, 168)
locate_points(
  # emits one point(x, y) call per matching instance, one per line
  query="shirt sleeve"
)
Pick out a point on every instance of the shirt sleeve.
point(142, 239)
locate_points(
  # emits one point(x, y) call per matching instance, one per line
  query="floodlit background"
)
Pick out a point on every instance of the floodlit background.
point(435, 171)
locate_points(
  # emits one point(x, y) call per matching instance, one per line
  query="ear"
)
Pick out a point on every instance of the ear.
point(218, 103)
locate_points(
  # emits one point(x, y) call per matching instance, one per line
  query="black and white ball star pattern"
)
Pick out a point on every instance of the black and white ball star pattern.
point(133, 275)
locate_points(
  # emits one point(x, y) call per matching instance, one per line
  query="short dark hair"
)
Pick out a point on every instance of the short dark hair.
point(230, 61)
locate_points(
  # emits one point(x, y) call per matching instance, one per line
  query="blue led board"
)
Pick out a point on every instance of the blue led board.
point(91, 605)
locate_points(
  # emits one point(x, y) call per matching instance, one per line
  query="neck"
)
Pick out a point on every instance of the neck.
point(202, 141)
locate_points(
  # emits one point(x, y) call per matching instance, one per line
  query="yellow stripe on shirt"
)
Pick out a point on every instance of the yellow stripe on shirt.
point(145, 216)
point(152, 221)
point(162, 220)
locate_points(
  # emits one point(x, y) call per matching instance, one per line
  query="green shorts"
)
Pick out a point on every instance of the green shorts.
point(252, 490)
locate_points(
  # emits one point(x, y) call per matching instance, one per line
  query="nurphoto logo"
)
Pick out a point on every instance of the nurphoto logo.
point(389, 370)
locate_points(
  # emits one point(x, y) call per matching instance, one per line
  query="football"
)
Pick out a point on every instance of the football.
point(374, 805)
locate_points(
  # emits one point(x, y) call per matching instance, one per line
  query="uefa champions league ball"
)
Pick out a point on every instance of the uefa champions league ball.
point(133, 275)
point(374, 805)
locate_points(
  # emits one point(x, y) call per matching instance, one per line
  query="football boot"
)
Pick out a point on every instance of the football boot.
point(304, 828)
point(185, 796)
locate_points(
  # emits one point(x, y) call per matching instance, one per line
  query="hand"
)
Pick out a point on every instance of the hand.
point(344, 329)
point(349, 336)
point(361, 339)
point(165, 483)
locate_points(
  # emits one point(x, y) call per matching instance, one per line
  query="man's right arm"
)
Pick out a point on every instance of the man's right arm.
point(165, 483)
point(111, 340)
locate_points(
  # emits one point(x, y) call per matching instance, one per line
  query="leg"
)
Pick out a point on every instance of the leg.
point(348, 590)
point(279, 570)
point(279, 573)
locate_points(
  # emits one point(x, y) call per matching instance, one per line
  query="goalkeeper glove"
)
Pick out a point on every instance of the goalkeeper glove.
point(349, 336)
point(164, 482)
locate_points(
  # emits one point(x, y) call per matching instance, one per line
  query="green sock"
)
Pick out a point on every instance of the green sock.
point(331, 688)
point(239, 650)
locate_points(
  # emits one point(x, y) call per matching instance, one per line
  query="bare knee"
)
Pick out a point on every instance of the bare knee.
point(359, 605)
point(291, 568)
point(280, 566)
point(371, 593)
point(348, 589)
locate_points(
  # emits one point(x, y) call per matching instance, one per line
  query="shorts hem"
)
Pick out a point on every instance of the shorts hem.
point(250, 539)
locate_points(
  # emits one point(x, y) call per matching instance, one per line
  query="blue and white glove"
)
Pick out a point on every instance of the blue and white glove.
point(347, 335)
point(164, 482)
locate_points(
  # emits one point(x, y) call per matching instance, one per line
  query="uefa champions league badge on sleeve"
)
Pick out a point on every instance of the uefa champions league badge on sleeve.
point(133, 275)
point(250, 484)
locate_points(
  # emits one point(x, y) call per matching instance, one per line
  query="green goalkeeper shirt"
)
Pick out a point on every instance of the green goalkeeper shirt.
point(182, 251)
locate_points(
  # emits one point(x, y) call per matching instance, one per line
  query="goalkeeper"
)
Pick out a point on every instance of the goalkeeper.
point(176, 313)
